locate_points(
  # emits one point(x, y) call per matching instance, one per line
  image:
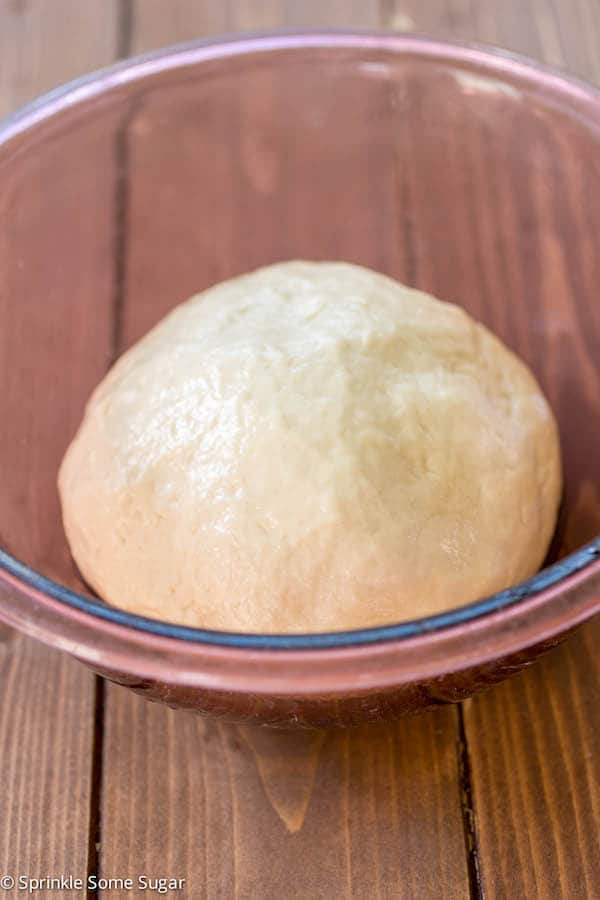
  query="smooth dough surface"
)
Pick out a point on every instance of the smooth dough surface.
point(310, 447)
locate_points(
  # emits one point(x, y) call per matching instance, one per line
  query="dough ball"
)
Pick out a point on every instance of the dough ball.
point(311, 447)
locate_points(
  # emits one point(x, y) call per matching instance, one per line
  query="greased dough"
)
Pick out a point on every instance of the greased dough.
point(310, 447)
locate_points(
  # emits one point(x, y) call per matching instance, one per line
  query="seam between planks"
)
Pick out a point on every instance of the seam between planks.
point(124, 38)
point(96, 786)
point(468, 810)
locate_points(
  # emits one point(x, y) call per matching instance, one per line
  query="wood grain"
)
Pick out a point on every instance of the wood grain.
point(188, 19)
point(248, 813)
point(46, 737)
point(561, 32)
point(47, 700)
point(151, 25)
point(332, 13)
point(43, 44)
point(534, 746)
point(533, 742)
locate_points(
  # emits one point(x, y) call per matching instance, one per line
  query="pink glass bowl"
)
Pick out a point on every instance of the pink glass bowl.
point(467, 172)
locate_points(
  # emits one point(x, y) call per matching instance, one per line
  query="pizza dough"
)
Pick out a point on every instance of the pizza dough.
point(311, 447)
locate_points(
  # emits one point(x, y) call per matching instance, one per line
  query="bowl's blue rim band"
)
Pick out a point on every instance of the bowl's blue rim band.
point(523, 591)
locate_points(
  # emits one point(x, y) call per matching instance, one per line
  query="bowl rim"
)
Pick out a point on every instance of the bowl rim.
point(576, 564)
point(571, 576)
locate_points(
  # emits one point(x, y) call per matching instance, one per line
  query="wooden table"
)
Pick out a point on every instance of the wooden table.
point(498, 797)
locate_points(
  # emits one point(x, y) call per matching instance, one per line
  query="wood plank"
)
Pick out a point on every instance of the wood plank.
point(511, 23)
point(46, 739)
point(533, 742)
point(43, 44)
point(562, 32)
point(245, 812)
point(46, 699)
point(153, 26)
point(239, 812)
point(188, 19)
point(534, 747)
point(333, 14)
point(570, 35)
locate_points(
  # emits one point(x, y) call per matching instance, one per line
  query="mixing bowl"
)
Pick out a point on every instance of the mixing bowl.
point(467, 172)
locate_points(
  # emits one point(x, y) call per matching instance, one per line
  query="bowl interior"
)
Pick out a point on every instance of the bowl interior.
point(469, 177)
